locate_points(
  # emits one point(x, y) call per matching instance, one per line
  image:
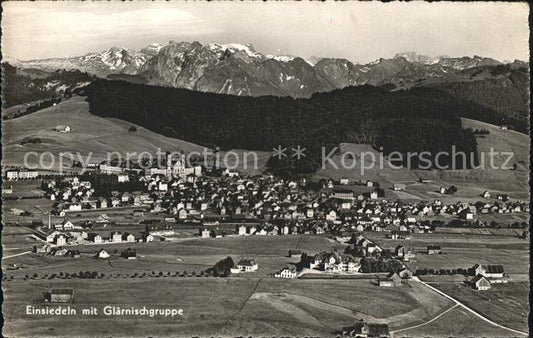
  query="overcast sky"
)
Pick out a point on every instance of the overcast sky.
point(360, 32)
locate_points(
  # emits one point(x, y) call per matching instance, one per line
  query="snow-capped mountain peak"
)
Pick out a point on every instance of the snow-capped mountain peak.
point(247, 49)
point(281, 58)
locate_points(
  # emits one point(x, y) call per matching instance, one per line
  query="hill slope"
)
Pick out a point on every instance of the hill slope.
point(90, 134)
point(471, 182)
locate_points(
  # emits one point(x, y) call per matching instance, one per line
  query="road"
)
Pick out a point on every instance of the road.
point(19, 254)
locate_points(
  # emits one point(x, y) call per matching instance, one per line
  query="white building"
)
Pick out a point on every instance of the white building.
point(62, 128)
point(123, 178)
point(21, 174)
point(245, 265)
point(288, 272)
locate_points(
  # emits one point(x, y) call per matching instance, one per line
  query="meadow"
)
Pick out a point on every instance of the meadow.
point(221, 306)
point(463, 251)
point(506, 304)
point(456, 323)
point(471, 183)
point(93, 138)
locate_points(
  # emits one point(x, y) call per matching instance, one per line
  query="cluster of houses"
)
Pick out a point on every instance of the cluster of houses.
point(69, 233)
point(189, 194)
point(334, 262)
point(71, 195)
point(63, 252)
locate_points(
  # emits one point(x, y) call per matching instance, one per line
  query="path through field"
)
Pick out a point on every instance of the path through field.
point(19, 254)
point(458, 303)
point(425, 323)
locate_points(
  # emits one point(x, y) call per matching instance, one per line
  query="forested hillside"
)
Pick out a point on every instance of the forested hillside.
point(504, 88)
point(415, 120)
point(23, 86)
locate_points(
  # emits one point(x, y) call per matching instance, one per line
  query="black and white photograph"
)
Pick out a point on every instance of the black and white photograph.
point(265, 169)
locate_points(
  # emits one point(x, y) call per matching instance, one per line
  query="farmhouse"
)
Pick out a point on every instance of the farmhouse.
point(245, 265)
point(434, 249)
point(406, 253)
point(7, 190)
point(60, 240)
point(363, 329)
point(94, 237)
point(62, 128)
point(116, 237)
point(398, 187)
point(59, 252)
point(102, 254)
point(467, 214)
point(288, 272)
point(127, 237)
point(295, 253)
point(205, 233)
point(393, 279)
point(489, 271)
point(50, 238)
point(129, 254)
point(123, 178)
point(66, 225)
point(65, 295)
point(148, 238)
point(480, 283)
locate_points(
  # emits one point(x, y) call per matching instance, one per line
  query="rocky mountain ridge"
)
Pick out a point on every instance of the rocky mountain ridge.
point(239, 69)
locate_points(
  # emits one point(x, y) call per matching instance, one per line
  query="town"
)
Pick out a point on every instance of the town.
point(111, 213)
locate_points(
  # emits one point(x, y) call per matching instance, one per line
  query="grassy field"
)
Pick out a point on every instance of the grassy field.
point(90, 135)
point(457, 323)
point(188, 254)
point(246, 304)
point(470, 183)
point(222, 307)
point(506, 304)
point(463, 251)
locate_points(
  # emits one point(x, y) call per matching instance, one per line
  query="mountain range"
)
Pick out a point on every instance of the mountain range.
point(239, 69)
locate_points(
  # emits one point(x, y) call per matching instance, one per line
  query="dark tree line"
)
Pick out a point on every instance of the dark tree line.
point(419, 119)
point(222, 268)
point(104, 184)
